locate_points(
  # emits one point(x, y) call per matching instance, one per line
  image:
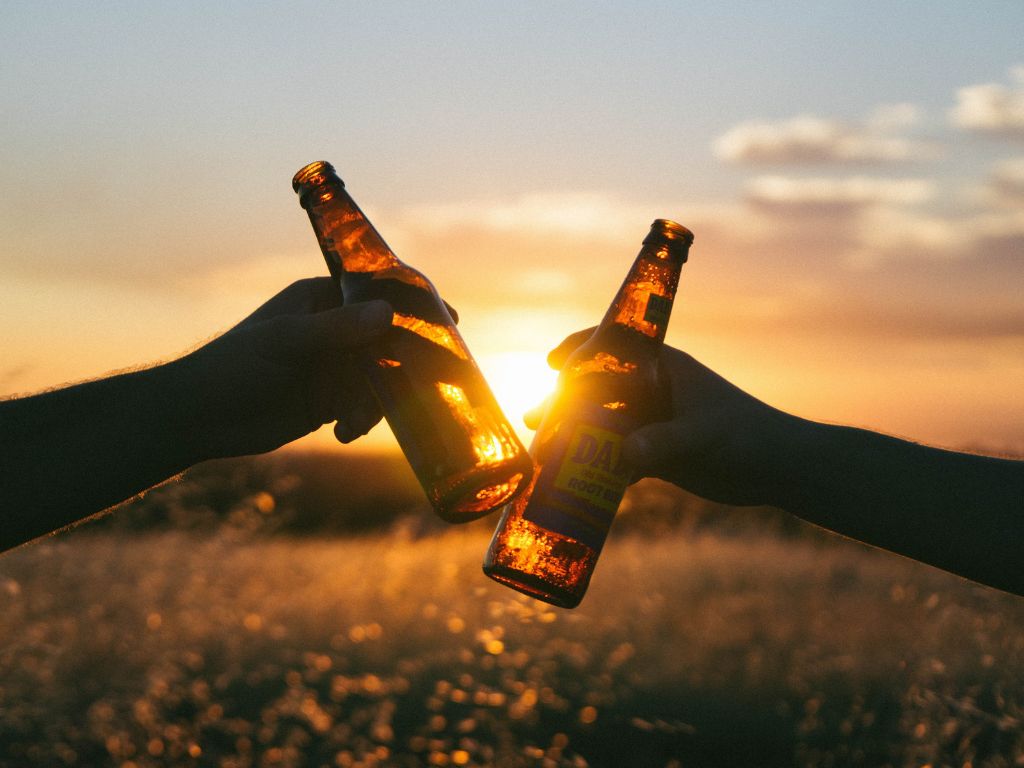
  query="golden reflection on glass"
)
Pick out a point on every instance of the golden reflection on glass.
point(348, 232)
point(352, 239)
point(655, 276)
point(528, 549)
point(438, 334)
point(633, 306)
point(602, 362)
point(614, 406)
point(493, 493)
point(462, 450)
point(489, 445)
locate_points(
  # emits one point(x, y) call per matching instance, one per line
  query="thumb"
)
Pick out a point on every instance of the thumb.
point(352, 325)
point(335, 330)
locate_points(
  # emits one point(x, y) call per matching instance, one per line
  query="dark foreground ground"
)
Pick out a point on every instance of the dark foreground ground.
point(307, 610)
point(216, 648)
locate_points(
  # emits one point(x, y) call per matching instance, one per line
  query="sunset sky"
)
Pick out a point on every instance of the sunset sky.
point(853, 172)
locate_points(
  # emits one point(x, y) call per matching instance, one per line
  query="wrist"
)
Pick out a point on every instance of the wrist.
point(797, 450)
point(177, 388)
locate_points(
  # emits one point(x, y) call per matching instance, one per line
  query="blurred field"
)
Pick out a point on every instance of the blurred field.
point(219, 645)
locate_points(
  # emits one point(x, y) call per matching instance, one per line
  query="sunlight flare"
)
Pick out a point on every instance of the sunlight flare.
point(521, 381)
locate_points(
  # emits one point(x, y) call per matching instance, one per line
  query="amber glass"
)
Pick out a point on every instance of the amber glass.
point(549, 538)
point(461, 447)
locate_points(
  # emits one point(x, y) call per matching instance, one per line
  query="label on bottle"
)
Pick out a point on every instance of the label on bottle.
point(583, 478)
point(658, 309)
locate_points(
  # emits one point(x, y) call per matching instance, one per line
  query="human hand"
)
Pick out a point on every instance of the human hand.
point(284, 371)
point(718, 442)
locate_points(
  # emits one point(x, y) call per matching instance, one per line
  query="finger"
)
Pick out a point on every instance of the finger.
point(357, 414)
point(533, 417)
point(324, 294)
point(558, 355)
point(357, 424)
point(353, 325)
point(335, 330)
point(650, 448)
point(313, 294)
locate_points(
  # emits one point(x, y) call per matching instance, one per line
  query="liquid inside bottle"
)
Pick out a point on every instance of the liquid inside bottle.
point(461, 447)
point(549, 538)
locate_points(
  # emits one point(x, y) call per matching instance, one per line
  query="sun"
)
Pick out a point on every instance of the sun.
point(520, 381)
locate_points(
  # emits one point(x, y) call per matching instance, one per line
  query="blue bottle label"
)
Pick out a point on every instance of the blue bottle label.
point(583, 477)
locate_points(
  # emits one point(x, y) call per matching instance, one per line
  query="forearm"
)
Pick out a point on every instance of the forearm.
point(73, 452)
point(960, 512)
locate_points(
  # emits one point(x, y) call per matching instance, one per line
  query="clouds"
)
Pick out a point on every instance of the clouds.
point(1006, 183)
point(992, 108)
point(885, 137)
point(811, 140)
point(833, 197)
point(537, 249)
point(555, 213)
point(868, 221)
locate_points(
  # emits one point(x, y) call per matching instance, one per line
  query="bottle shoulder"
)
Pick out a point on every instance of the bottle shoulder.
point(395, 283)
point(403, 273)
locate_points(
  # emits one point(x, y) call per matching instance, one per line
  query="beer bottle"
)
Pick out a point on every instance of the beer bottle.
point(548, 539)
point(461, 447)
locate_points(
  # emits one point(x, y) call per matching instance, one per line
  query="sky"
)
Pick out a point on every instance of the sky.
point(853, 173)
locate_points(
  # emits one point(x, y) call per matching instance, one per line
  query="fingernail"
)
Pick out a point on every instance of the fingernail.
point(375, 316)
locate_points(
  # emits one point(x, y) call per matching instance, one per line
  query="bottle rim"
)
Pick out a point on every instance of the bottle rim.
point(672, 230)
point(314, 173)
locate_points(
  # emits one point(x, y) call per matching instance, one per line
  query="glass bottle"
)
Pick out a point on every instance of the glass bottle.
point(460, 446)
point(549, 538)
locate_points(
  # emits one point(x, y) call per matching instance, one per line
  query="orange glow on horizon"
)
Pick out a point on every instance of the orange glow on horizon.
point(521, 381)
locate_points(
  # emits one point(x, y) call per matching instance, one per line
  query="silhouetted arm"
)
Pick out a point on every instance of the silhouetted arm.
point(284, 371)
point(960, 512)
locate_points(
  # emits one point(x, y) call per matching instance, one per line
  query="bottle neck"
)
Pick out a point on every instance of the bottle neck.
point(644, 302)
point(349, 242)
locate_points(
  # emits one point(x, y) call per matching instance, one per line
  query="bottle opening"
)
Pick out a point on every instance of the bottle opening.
point(314, 174)
point(671, 230)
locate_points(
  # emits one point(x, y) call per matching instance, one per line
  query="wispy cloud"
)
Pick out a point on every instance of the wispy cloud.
point(833, 197)
point(531, 245)
point(1006, 182)
point(992, 108)
point(999, 237)
point(560, 213)
point(812, 140)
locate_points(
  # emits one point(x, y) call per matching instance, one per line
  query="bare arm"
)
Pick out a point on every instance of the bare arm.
point(960, 512)
point(281, 373)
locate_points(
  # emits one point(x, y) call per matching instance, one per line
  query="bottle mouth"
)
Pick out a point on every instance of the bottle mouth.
point(671, 230)
point(314, 174)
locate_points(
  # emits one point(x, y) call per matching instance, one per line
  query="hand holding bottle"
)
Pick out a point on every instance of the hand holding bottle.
point(279, 374)
point(548, 540)
point(716, 440)
point(283, 372)
point(957, 511)
point(461, 447)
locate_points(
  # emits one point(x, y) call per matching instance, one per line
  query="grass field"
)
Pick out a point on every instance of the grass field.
point(165, 648)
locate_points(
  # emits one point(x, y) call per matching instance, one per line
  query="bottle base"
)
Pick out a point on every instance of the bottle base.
point(469, 498)
point(533, 586)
